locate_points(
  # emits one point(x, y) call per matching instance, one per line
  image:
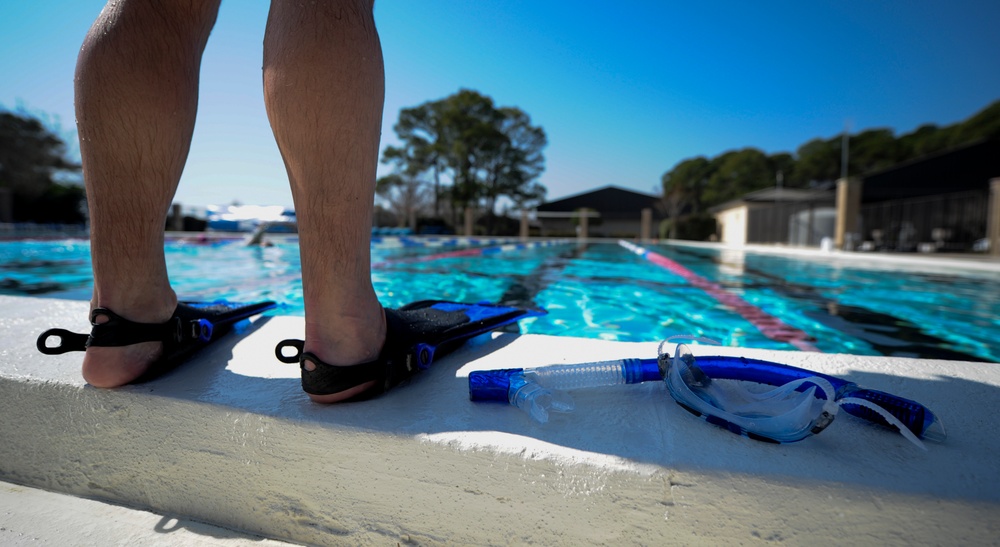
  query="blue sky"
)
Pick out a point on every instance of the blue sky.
point(624, 90)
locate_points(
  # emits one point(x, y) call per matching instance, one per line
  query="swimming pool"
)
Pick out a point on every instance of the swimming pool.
point(598, 290)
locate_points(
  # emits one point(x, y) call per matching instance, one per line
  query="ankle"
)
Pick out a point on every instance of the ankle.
point(144, 306)
point(108, 367)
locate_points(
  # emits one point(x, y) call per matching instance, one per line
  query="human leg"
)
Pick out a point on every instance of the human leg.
point(323, 88)
point(136, 96)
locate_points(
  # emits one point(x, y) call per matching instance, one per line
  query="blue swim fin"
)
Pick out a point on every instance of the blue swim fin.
point(193, 326)
point(416, 334)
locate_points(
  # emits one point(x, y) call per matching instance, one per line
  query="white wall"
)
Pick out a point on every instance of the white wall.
point(733, 225)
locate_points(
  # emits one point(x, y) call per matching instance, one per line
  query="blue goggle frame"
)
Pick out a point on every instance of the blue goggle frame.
point(917, 418)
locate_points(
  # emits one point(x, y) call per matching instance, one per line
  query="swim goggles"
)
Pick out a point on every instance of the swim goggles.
point(758, 399)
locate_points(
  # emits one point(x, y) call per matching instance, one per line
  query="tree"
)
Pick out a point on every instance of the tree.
point(737, 173)
point(872, 150)
point(513, 160)
point(696, 183)
point(985, 124)
point(485, 152)
point(924, 140)
point(819, 160)
point(406, 197)
point(783, 166)
point(469, 123)
point(36, 173)
point(682, 189)
point(423, 149)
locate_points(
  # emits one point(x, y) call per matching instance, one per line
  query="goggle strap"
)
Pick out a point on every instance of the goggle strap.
point(893, 421)
point(920, 419)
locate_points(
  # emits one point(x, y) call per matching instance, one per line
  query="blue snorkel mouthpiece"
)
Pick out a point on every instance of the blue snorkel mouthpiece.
point(513, 386)
point(538, 391)
point(491, 385)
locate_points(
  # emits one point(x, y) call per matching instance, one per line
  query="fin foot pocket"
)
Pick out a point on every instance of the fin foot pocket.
point(192, 326)
point(416, 334)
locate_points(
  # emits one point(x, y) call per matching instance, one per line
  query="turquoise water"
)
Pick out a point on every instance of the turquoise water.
point(597, 291)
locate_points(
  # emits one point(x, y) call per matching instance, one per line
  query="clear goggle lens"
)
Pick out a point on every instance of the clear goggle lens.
point(787, 413)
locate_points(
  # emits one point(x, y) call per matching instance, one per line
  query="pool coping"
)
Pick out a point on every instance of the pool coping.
point(230, 440)
point(32, 516)
point(951, 261)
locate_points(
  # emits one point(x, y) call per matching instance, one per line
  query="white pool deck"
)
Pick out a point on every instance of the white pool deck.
point(227, 450)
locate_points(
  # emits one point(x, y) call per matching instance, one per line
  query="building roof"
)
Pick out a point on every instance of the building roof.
point(778, 195)
point(788, 195)
point(607, 201)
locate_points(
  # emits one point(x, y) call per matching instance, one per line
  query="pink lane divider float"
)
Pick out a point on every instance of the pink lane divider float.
point(767, 324)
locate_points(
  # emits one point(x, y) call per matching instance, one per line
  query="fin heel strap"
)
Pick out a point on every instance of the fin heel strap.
point(326, 378)
point(396, 362)
point(117, 331)
point(297, 345)
point(389, 369)
point(68, 341)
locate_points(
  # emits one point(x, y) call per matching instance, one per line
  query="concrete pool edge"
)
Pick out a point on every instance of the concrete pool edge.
point(968, 262)
point(230, 440)
point(32, 516)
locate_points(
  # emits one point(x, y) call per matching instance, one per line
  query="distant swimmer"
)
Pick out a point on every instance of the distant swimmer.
point(257, 238)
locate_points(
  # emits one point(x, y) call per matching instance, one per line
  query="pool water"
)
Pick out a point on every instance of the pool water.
point(600, 290)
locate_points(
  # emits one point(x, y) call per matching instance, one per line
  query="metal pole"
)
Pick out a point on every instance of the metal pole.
point(845, 143)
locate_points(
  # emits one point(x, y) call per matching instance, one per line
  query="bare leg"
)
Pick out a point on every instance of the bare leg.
point(136, 96)
point(324, 88)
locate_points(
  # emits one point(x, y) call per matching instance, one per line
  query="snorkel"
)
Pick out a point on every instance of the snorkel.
point(538, 391)
point(758, 399)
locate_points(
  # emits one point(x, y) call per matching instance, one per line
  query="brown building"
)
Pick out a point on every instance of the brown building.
point(619, 213)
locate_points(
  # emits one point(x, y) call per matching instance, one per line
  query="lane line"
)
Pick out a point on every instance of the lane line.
point(769, 325)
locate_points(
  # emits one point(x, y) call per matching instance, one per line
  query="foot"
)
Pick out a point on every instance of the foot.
point(343, 342)
point(107, 367)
